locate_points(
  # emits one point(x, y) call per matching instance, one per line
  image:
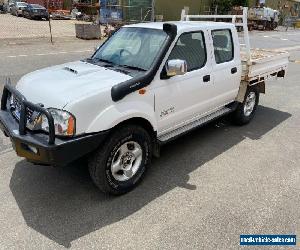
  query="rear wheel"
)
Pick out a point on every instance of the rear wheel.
point(119, 165)
point(246, 110)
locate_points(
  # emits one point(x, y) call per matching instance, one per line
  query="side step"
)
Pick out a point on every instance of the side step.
point(200, 122)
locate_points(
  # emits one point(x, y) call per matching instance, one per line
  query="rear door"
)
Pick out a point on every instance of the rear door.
point(226, 65)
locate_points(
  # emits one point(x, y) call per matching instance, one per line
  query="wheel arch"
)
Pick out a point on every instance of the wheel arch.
point(142, 122)
point(114, 117)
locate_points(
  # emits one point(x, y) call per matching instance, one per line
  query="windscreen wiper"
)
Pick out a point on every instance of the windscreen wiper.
point(113, 66)
point(95, 61)
point(104, 60)
point(132, 67)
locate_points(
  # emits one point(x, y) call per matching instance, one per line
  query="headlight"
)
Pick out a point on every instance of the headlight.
point(64, 122)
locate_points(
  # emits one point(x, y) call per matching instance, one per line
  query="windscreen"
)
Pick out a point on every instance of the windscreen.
point(133, 47)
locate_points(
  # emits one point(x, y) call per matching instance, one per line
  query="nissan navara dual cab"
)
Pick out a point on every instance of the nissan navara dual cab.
point(146, 85)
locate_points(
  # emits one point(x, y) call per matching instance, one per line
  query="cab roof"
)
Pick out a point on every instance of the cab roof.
point(183, 26)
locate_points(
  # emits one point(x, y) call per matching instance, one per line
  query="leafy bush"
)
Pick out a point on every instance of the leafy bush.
point(243, 3)
point(226, 5)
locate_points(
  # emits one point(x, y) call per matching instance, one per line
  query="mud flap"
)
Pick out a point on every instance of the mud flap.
point(242, 91)
point(261, 87)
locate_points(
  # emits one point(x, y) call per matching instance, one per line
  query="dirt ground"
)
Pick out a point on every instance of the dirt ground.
point(18, 27)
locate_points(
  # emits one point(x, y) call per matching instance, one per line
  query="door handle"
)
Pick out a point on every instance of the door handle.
point(233, 70)
point(206, 78)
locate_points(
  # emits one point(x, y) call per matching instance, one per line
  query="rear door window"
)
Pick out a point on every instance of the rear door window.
point(223, 45)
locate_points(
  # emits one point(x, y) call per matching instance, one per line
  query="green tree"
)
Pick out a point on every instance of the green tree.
point(244, 3)
point(224, 6)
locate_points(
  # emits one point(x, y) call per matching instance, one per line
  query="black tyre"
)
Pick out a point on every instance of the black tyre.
point(120, 164)
point(246, 110)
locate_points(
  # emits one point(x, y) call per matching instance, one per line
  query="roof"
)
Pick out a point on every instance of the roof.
point(183, 26)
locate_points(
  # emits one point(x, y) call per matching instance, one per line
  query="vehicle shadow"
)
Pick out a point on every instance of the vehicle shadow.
point(63, 204)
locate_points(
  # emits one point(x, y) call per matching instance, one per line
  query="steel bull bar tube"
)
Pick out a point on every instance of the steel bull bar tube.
point(10, 90)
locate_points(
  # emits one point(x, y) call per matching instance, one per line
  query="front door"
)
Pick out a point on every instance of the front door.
point(180, 99)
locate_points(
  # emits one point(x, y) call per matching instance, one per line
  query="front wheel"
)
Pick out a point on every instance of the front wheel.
point(120, 164)
point(246, 110)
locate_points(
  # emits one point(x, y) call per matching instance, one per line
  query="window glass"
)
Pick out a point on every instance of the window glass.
point(135, 47)
point(191, 48)
point(21, 4)
point(129, 41)
point(223, 46)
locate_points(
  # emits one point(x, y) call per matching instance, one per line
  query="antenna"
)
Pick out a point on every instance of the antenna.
point(8, 81)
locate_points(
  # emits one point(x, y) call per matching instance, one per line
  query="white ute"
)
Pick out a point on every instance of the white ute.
point(146, 85)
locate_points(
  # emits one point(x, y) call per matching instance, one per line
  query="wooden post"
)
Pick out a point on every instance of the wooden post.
point(50, 27)
point(153, 11)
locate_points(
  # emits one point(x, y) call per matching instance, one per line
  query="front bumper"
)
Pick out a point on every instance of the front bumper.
point(37, 148)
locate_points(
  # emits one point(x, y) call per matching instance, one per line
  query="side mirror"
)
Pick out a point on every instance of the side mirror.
point(176, 67)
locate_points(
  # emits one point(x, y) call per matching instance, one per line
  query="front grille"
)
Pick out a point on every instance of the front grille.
point(15, 107)
point(29, 113)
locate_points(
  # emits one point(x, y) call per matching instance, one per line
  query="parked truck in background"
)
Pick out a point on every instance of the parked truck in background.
point(146, 85)
point(263, 18)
